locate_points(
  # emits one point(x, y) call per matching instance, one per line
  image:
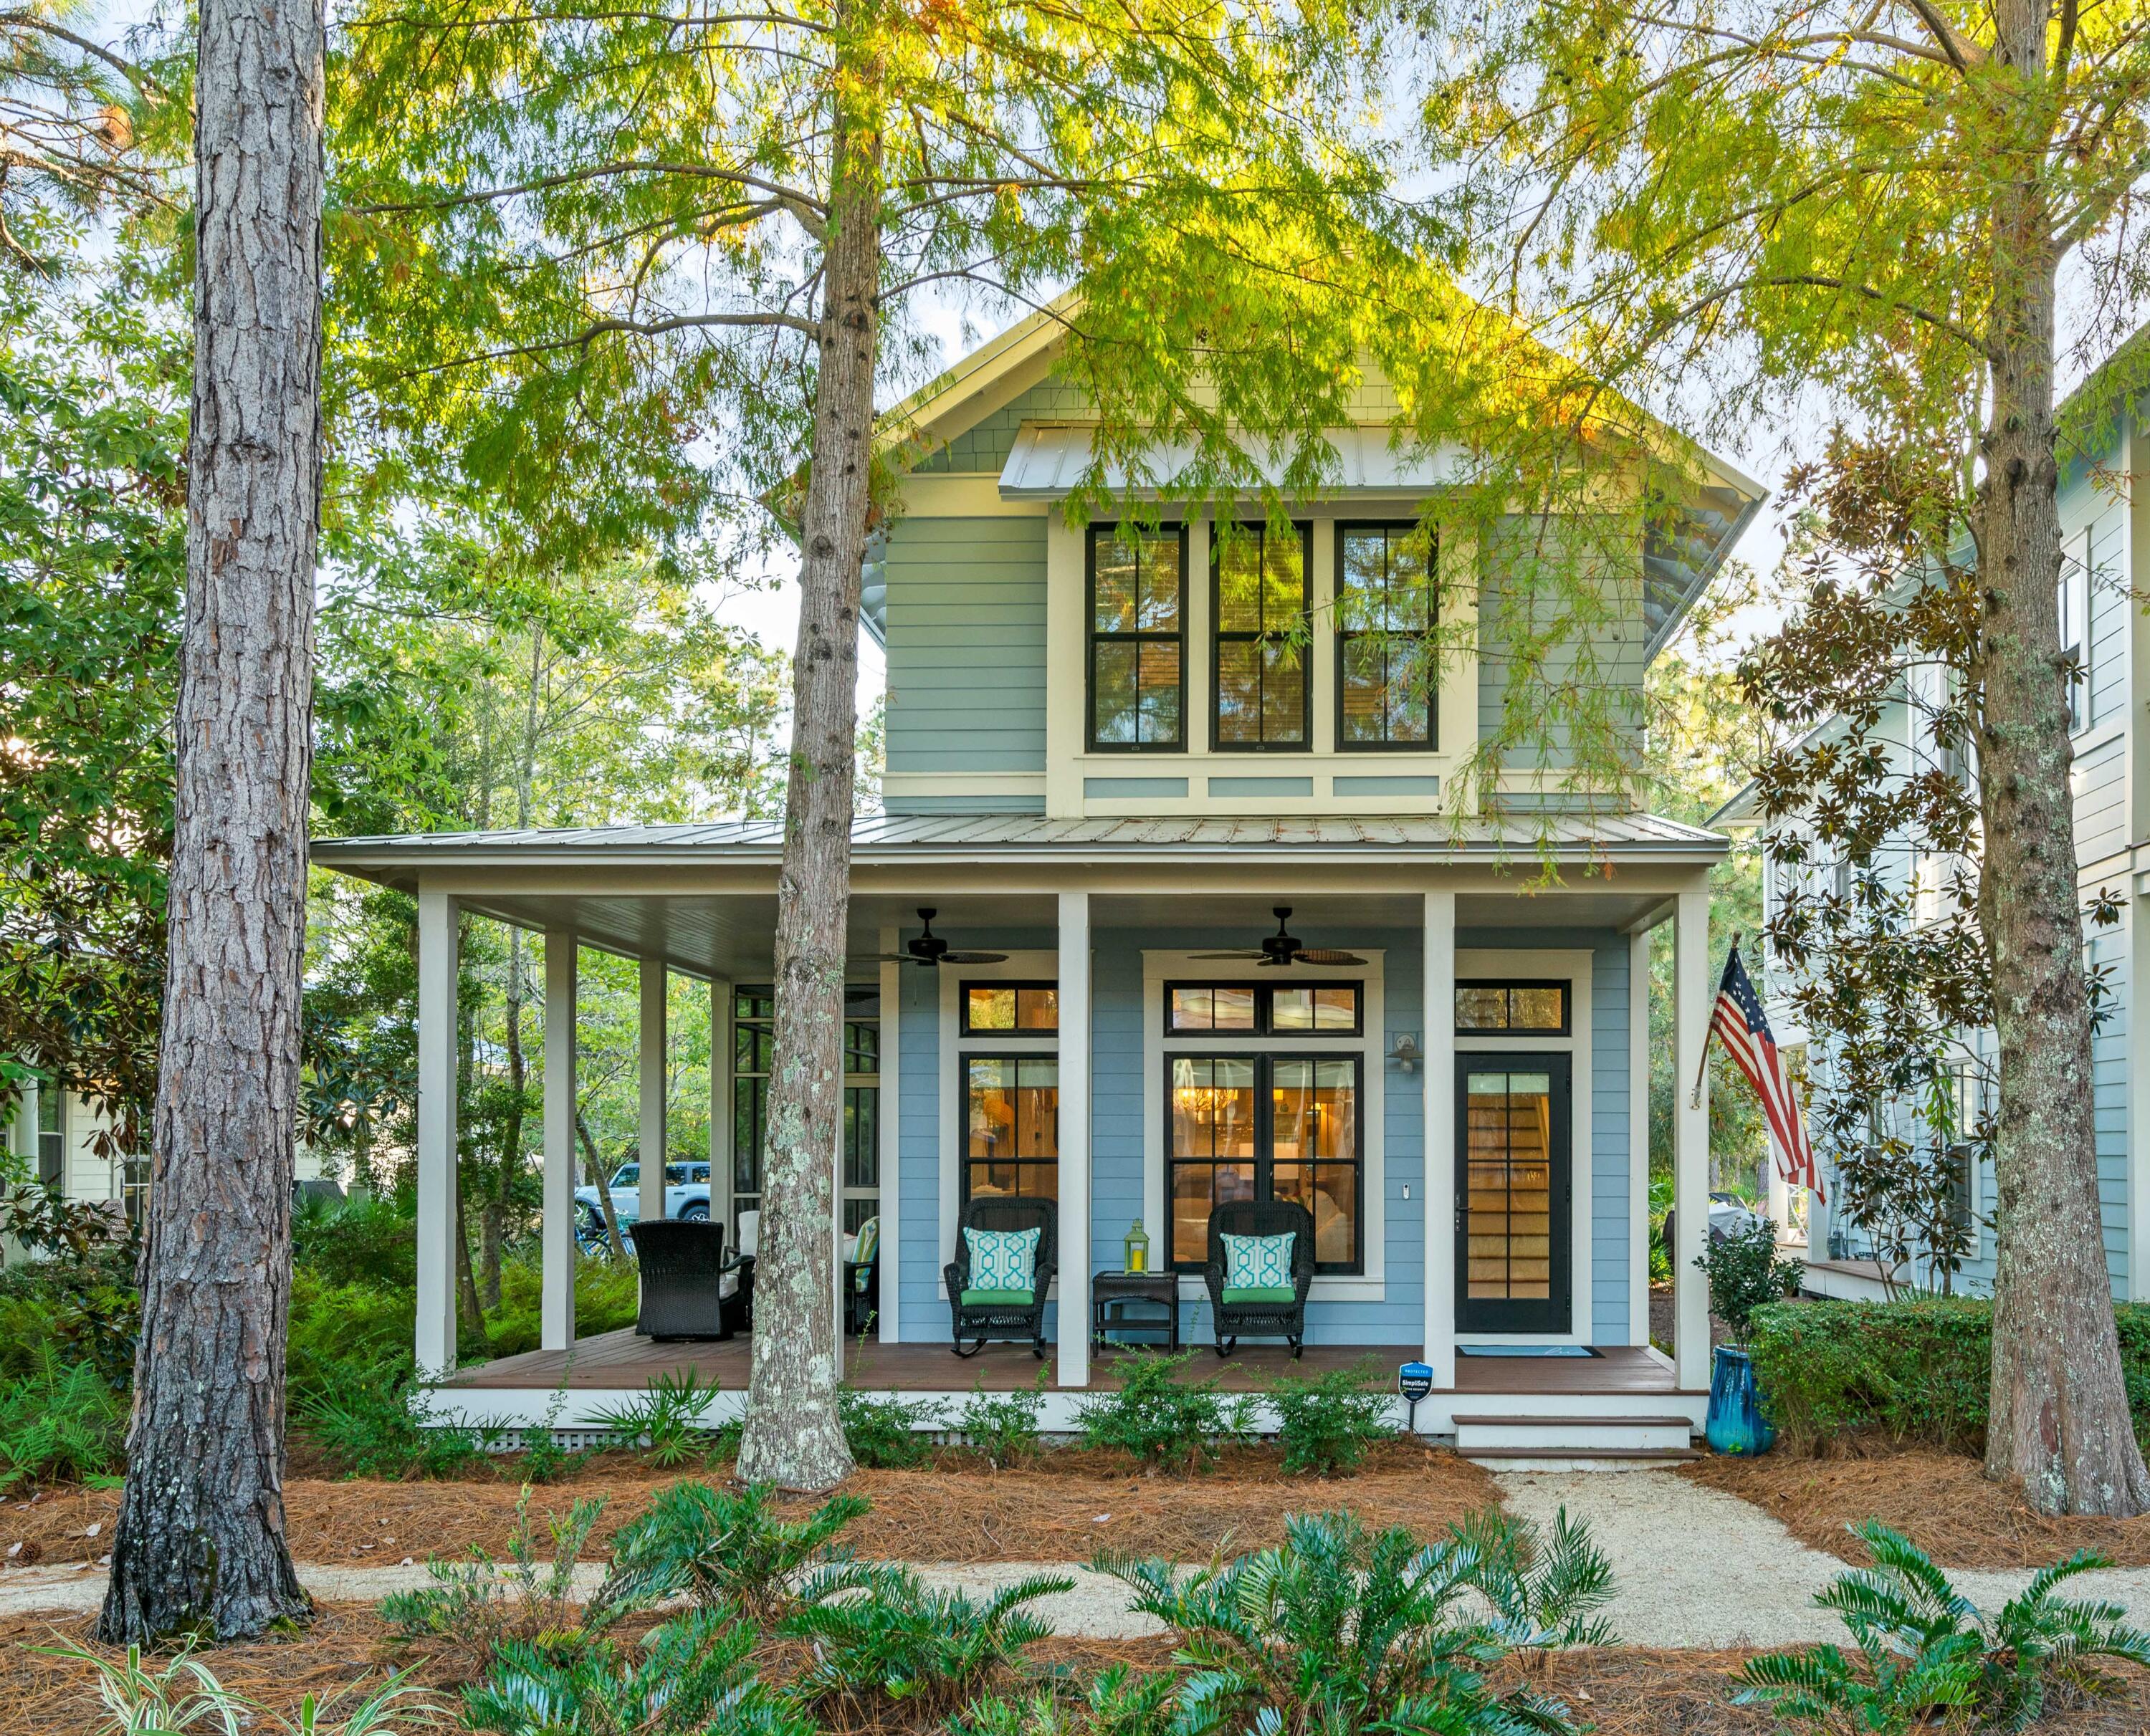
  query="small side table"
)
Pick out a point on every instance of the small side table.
point(1117, 1289)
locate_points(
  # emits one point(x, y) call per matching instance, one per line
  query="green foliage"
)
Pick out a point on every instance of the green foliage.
point(1116, 1702)
point(692, 1677)
point(1002, 1426)
point(606, 1299)
point(377, 1427)
point(887, 1434)
point(346, 1334)
point(1327, 1421)
point(1339, 1631)
point(666, 1423)
point(184, 1696)
point(480, 1603)
point(1162, 1420)
point(881, 1636)
point(725, 1547)
point(1745, 1274)
point(1919, 1369)
point(1544, 1596)
point(61, 1422)
point(1927, 1653)
point(372, 1239)
point(85, 1308)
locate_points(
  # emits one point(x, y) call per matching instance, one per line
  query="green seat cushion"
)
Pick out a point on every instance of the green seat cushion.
point(1261, 1293)
point(998, 1298)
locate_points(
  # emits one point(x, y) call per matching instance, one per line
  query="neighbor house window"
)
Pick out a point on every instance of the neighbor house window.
point(1259, 581)
point(1537, 1010)
point(1022, 1008)
point(1011, 1126)
point(1138, 637)
point(1265, 1127)
point(2075, 628)
point(52, 1132)
point(1386, 611)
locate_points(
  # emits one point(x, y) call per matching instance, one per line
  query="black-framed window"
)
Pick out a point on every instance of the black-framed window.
point(1263, 1009)
point(1259, 596)
point(1266, 1126)
point(753, 1045)
point(1520, 1009)
point(1387, 604)
point(1017, 1009)
point(1011, 1126)
point(1137, 638)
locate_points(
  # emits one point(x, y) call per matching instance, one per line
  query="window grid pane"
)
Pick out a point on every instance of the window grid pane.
point(1260, 651)
point(1386, 606)
point(1137, 593)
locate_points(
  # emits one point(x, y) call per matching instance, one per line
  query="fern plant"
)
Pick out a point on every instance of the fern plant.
point(61, 1423)
point(692, 1677)
point(724, 1546)
point(666, 1420)
point(881, 1635)
point(1337, 1631)
point(1544, 1595)
point(1925, 1652)
point(184, 1696)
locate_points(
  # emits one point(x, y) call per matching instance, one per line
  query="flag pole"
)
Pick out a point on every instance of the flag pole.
point(1702, 1068)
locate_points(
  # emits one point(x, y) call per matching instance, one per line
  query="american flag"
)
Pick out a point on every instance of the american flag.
point(1743, 1028)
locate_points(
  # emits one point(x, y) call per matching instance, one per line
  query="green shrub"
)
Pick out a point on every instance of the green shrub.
point(1339, 1631)
point(666, 1422)
point(1744, 1274)
point(380, 1428)
point(607, 1297)
point(880, 1637)
point(886, 1434)
point(1002, 1427)
point(84, 1305)
point(1914, 1370)
point(1161, 1420)
point(61, 1422)
point(722, 1546)
point(346, 1334)
point(1326, 1422)
point(372, 1241)
point(482, 1604)
point(1926, 1655)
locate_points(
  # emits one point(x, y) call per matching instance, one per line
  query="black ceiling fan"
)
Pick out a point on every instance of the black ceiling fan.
point(930, 949)
point(1283, 948)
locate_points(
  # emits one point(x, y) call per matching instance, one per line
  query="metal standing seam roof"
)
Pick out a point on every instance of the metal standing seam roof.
point(976, 835)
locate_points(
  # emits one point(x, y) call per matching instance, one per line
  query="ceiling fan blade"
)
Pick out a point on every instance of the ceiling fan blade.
point(1325, 955)
point(891, 958)
point(974, 958)
point(1255, 956)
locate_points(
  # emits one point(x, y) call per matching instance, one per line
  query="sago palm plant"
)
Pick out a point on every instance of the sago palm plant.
point(722, 1545)
point(1545, 1594)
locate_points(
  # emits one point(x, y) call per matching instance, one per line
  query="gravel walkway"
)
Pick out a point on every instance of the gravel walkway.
point(1694, 1567)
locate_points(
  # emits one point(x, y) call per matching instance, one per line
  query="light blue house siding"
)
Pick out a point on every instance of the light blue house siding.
point(1116, 1129)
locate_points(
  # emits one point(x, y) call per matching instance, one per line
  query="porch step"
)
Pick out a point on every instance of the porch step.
point(1534, 1436)
point(1554, 1456)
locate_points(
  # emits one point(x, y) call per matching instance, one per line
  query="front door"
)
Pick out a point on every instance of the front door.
point(1513, 1197)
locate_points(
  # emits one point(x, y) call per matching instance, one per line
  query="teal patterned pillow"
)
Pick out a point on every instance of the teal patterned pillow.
point(1002, 1259)
point(1259, 1262)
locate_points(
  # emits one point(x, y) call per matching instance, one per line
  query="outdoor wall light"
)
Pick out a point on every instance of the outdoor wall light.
point(1406, 1053)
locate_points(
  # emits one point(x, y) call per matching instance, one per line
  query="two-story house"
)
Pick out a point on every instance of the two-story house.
point(2105, 520)
point(1229, 927)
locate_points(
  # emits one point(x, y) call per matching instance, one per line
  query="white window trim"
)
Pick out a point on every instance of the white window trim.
point(1032, 966)
point(1574, 966)
point(1160, 968)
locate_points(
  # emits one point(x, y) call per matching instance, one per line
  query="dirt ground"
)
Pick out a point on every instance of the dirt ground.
point(1064, 1507)
point(1942, 1501)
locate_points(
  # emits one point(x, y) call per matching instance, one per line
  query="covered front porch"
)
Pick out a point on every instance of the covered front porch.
point(1169, 1081)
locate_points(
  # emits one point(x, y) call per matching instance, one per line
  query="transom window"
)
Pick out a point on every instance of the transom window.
point(1259, 1009)
point(1531, 1008)
point(1386, 606)
point(1259, 582)
point(1138, 674)
point(1021, 1007)
point(1265, 1127)
point(1011, 1126)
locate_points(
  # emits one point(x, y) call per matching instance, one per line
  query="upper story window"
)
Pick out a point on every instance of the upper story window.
point(1259, 588)
point(1138, 668)
point(1386, 610)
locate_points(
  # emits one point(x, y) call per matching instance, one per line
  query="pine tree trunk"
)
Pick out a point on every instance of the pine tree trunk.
point(2060, 1420)
point(794, 1436)
point(200, 1543)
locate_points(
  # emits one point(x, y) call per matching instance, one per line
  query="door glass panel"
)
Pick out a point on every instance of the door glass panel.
point(1509, 1186)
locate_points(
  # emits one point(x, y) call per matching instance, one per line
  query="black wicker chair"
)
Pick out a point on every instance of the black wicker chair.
point(1004, 1316)
point(862, 1288)
point(1268, 1317)
point(683, 1267)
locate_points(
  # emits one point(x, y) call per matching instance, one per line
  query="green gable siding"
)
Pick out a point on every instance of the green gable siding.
point(966, 645)
point(984, 447)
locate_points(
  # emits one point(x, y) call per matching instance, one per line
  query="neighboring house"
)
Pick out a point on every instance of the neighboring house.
point(2105, 520)
point(1098, 775)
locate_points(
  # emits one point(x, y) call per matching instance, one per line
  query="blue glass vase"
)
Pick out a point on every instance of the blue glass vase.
point(1736, 1422)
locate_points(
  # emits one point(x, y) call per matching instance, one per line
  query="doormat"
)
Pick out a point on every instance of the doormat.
point(1524, 1350)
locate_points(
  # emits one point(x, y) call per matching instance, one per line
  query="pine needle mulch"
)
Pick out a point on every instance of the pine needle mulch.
point(1942, 1501)
point(1063, 1507)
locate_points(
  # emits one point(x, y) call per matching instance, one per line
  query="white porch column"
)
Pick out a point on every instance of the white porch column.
point(1691, 1139)
point(1439, 1182)
point(650, 1054)
point(720, 1109)
point(1074, 990)
point(555, 1312)
point(889, 1150)
point(1638, 1137)
point(437, 967)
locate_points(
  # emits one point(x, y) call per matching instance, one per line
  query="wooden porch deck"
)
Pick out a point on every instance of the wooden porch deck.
point(621, 1361)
